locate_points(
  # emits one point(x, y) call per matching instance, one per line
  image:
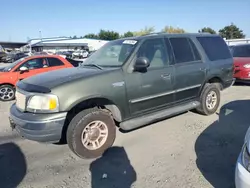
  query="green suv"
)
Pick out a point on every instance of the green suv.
point(127, 83)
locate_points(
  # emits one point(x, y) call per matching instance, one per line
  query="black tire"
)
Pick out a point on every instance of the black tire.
point(203, 109)
point(78, 124)
point(11, 89)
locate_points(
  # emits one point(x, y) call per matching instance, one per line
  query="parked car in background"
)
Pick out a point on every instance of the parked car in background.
point(242, 170)
point(11, 57)
point(80, 54)
point(68, 54)
point(26, 67)
point(152, 77)
point(241, 55)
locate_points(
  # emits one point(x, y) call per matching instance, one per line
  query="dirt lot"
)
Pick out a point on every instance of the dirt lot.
point(189, 150)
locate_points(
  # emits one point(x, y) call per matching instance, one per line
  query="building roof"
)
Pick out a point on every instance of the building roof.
point(57, 44)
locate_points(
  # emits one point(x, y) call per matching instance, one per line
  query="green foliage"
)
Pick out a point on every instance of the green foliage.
point(207, 30)
point(231, 32)
point(145, 31)
point(170, 29)
point(128, 34)
point(108, 35)
point(91, 36)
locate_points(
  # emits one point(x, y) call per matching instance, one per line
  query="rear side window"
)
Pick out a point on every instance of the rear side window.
point(184, 50)
point(54, 62)
point(215, 48)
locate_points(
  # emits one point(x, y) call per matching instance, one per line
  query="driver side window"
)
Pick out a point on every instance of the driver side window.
point(37, 63)
point(154, 50)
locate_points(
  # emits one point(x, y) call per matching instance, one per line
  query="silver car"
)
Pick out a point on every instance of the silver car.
point(242, 171)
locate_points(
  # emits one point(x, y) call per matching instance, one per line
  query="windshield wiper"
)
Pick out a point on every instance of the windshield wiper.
point(93, 65)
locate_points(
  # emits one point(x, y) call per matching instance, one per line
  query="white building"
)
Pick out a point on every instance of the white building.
point(237, 41)
point(63, 44)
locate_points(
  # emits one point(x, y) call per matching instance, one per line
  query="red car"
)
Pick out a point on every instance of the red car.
point(241, 54)
point(27, 67)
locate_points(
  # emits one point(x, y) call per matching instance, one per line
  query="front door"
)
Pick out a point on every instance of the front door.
point(35, 66)
point(151, 90)
point(190, 71)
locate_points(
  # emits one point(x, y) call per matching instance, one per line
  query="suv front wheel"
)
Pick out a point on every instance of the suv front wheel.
point(91, 132)
point(209, 99)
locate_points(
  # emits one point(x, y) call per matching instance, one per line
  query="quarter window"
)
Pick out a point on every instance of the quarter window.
point(154, 50)
point(54, 62)
point(215, 48)
point(184, 50)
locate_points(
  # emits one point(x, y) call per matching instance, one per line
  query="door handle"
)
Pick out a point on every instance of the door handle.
point(202, 69)
point(165, 76)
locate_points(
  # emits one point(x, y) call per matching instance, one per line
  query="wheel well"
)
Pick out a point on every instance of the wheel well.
point(7, 84)
point(100, 103)
point(216, 80)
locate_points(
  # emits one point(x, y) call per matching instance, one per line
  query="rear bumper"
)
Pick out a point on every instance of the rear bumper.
point(37, 127)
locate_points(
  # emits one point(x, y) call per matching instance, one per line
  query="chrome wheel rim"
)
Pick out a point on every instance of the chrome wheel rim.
point(94, 135)
point(211, 100)
point(6, 93)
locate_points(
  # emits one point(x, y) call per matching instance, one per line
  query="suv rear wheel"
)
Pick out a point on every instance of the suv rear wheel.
point(91, 132)
point(209, 99)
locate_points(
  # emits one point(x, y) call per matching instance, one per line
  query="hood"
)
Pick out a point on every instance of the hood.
point(54, 78)
point(238, 61)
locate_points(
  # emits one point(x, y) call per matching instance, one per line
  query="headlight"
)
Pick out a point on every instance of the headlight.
point(247, 66)
point(43, 103)
point(245, 151)
point(246, 158)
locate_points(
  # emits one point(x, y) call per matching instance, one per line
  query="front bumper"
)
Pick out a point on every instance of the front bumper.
point(37, 127)
point(242, 176)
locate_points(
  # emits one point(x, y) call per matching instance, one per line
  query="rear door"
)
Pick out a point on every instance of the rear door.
point(55, 63)
point(190, 71)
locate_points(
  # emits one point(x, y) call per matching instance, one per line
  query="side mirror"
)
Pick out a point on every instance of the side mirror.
point(141, 64)
point(24, 69)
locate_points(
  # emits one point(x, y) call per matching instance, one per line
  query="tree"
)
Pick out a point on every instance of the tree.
point(170, 29)
point(207, 30)
point(91, 36)
point(128, 34)
point(231, 32)
point(108, 35)
point(74, 37)
point(145, 31)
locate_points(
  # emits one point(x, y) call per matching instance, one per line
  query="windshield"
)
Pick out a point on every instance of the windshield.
point(12, 65)
point(240, 51)
point(112, 54)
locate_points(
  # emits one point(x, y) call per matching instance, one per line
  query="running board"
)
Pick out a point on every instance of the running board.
point(151, 118)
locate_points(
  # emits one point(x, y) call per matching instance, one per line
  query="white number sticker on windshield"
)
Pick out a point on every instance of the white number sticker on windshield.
point(133, 42)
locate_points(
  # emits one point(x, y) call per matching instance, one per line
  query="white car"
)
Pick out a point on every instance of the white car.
point(242, 171)
point(80, 54)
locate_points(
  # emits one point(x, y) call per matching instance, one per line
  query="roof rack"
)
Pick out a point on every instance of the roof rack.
point(154, 33)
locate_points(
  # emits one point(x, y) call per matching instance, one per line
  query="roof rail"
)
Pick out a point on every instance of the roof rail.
point(154, 33)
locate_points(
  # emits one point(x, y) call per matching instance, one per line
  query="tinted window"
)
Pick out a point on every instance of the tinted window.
point(54, 62)
point(182, 50)
point(215, 48)
point(154, 50)
point(35, 63)
point(241, 51)
point(196, 54)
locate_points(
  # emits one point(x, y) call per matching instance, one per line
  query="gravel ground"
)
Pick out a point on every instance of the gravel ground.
point(188, 150)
